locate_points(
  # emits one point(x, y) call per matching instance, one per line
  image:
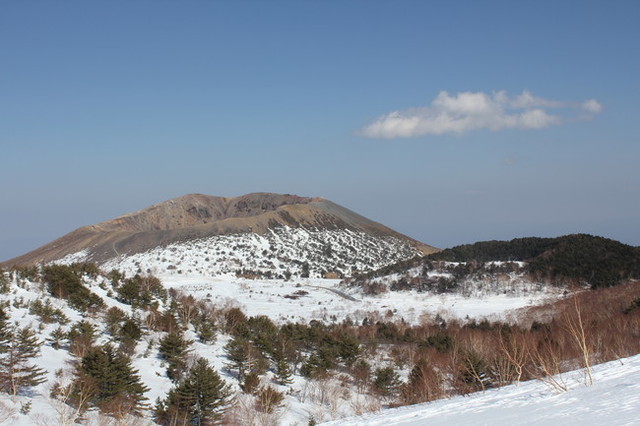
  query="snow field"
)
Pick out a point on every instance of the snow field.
point(613, 399)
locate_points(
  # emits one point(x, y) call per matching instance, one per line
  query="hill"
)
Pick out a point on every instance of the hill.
point(581, 258)
point(279, 224)
point(569, 261)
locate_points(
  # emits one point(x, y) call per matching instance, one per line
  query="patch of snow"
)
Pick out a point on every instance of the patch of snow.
point(77, 257)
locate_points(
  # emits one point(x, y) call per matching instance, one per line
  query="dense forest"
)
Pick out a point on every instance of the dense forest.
point(577, 259)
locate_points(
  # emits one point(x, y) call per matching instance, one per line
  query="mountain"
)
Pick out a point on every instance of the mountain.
point(271, 228)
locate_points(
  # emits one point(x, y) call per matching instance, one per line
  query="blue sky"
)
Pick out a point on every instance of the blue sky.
point(451, 122)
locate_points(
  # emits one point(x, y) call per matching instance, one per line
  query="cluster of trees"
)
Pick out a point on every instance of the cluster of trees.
point(451, 277)
point(65, 282)
point(256, 347)
point(138, 291)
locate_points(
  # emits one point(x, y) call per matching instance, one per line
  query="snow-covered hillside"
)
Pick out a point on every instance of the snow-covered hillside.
point(279, 253)
point(613, 399)
point(299, 300)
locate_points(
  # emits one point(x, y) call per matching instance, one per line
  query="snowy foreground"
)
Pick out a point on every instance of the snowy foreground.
point(613, 399)
point(304, 300)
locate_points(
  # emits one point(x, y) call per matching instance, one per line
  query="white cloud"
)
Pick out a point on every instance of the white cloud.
point(468, 111)
point(592, 106)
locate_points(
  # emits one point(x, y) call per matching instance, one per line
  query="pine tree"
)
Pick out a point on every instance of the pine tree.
point(200, 399)
point(17, 348)
point(263, 333)
point(245, 357)
point(386, 381)
point(4, 282)
point(5, 344)
point(283, 372)
point(130, 331)
point(475, 372)
point(115, 384)
point(5, 332)
point(81, 337)
point(57, 338)
point(238, 355)
point(205, 328)
point(173, 349)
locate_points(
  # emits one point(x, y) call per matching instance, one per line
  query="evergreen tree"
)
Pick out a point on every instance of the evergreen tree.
point(283, 372)
point(245, 357)
point(251, 383)
point(57, 338)
point(200, 399)
point(17, 348)
point(5, 331)
point(386, 381)
point(235, 321)
point(65, 283)
point(114, 317)
point(129, 335)
point(475, 372)
point(81, 337)
point(263, 333)
point(173, 349)
point(115, 385)
point(205, 328)
point(130, 331)
point(238, 355)
point(4, 282)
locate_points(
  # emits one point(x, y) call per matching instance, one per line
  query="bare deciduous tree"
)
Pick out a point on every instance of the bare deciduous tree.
point(574, 325)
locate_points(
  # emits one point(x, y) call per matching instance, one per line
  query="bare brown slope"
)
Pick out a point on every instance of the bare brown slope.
point(197, 216)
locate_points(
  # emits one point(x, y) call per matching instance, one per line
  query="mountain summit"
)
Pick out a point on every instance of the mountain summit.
point(316, 225)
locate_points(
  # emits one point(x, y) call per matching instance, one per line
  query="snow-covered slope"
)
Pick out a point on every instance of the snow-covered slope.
point(278, 253)
point(613, 399)
point(282, 300)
